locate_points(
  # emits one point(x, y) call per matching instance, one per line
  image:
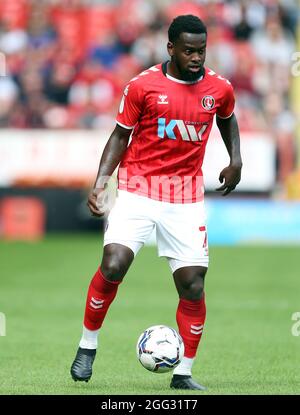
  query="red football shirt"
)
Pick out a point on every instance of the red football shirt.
point(171, 121)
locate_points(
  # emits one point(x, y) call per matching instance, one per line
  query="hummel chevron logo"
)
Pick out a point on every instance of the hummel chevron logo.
point(196, 329)
point(163, 99)
point(96, 304)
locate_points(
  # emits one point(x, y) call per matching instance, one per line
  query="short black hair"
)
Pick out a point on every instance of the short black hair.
point(187, 23)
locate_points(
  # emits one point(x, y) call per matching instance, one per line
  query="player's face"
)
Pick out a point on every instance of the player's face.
point(188, 55)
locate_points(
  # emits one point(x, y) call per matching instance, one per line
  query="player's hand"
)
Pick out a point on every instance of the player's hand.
point(231, 176)
point(96, 202)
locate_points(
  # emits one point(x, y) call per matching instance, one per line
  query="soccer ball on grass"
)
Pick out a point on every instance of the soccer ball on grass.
point(160, 349)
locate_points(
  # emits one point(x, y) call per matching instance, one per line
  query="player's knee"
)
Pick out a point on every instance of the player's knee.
point(195, 290)
point(115, 263)
point(112, 270)
point(190, 285)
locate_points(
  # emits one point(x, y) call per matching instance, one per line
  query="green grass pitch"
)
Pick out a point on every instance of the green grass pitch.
point(247, 346)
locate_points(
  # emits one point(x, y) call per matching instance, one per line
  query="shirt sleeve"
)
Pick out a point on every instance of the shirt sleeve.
point(130, 106)
point(226, 108)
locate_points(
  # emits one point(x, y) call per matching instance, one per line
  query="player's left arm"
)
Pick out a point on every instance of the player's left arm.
point(230, 176)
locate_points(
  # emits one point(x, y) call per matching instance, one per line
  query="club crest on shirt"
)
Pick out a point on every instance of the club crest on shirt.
point(208, 102)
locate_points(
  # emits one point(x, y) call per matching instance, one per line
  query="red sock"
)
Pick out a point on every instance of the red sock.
point(100, 295)
point(190, 318)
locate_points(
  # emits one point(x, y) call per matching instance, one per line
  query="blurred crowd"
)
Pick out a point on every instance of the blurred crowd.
point(66, 61)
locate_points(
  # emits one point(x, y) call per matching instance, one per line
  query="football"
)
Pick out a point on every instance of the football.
point(160, 349)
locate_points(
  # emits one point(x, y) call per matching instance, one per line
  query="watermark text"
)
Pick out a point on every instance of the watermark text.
point(296, 325)
point(295, 69)
point(2, 324)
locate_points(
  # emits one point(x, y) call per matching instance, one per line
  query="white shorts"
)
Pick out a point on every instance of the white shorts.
point(181, 234)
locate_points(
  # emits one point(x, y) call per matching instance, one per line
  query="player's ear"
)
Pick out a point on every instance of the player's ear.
point(170, 47)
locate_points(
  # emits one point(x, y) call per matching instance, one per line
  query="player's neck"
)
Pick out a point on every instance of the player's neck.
point(173, 72)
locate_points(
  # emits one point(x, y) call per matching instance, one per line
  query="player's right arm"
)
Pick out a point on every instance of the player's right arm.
point(129, 114)
point(111, 157)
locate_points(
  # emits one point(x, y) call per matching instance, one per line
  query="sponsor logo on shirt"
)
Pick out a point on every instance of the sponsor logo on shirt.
point(186, 131)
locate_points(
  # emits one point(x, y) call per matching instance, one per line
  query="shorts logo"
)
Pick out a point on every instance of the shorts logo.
point(208, 102)
point(205, 246)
